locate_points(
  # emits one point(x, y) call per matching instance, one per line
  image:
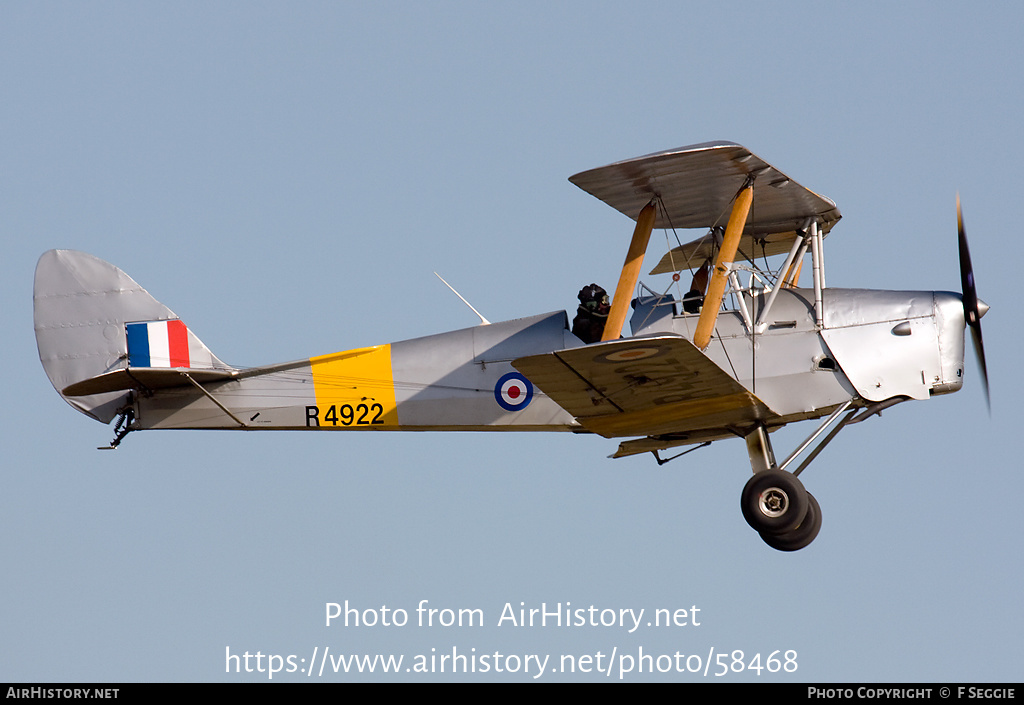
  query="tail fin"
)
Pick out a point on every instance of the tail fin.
point(93, 322)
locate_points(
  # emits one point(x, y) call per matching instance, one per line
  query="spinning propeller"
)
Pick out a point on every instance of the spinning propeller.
point(973, 308)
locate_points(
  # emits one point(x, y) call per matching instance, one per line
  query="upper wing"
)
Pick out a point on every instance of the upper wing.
point(643, 387)
point(696, 185)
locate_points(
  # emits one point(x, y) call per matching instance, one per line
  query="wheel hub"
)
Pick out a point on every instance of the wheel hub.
point(774, 502)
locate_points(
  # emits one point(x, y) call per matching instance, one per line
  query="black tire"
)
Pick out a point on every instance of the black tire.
point(774, 502)
point(802, 535)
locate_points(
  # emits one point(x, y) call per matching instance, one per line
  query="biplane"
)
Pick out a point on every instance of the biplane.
point(745, 351)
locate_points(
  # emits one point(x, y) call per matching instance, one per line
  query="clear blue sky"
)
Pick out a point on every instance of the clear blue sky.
point(286, 177)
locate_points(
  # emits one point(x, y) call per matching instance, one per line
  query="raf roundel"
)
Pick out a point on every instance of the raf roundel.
point(513, 392)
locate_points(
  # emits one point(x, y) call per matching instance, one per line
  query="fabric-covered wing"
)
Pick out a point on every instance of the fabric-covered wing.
point(696, 185)
point(642, 387)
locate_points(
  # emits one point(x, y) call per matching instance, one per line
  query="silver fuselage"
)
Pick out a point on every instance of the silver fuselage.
point(871, 346)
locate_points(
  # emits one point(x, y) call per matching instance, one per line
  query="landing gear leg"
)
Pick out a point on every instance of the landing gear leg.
point(774, 502)
point(772, 489)
point(759, 448)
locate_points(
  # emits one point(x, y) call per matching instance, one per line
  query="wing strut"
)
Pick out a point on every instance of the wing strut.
point(212, 398)
point(630, 273)
point(716, 288)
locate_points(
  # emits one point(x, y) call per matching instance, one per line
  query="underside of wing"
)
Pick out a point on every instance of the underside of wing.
point(752, 246)
point(643, 386)
point(694, 187)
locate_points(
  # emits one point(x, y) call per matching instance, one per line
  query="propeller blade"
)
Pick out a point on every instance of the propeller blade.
point(972, 308)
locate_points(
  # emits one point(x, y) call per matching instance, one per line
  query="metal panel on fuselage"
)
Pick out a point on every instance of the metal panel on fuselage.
point(888, 342)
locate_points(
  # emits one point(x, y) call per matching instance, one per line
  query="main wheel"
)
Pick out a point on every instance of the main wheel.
point(774, 502)
point(800, 536)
